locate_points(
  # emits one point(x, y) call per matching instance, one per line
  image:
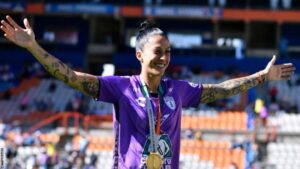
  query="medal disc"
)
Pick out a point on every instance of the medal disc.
point(154, 161)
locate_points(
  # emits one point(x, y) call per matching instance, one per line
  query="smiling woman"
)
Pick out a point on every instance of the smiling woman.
point(147, 106)
point(153, 51)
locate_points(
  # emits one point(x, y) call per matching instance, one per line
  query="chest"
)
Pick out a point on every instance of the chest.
point(136, 109)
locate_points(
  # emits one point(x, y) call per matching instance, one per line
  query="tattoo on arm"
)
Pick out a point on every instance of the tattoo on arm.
point(73, 78)
point(90, 88)
point(212, 92)
point(84, 82)
point(55, 65)
point(63, 72)
point(61, 76)
point(46, 55)
point(62, 64)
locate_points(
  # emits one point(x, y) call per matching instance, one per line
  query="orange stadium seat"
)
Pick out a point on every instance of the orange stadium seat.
point(217, 152)
point(224, 121)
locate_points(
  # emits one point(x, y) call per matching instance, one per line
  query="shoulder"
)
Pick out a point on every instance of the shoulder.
point(120, 81)
point(115, 78)
point(175, 82)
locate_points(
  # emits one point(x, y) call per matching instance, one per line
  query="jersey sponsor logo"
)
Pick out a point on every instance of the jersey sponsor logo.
point(141, 101)
point(164, 149)
point(164, 118)
point(170, 102)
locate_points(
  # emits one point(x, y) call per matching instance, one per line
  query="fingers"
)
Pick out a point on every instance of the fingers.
point(6, 29)
point(9, 38)
point(287, 73)
point(7, 26)
point(271, 63)
point(273, 60)
point(3, 29)
point(287, 70)
point(288, 67)
point(288, 64)
point(7, 34)
point(12, 22)
point(285, 77)
point(26, 23)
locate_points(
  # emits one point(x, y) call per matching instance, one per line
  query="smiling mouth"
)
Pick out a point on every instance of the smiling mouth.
point(160, 65)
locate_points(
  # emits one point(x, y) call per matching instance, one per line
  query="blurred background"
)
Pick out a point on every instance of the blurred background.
point(45, 124)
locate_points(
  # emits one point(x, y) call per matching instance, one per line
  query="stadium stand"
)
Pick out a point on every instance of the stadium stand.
point(224, 134)
point(281, 155)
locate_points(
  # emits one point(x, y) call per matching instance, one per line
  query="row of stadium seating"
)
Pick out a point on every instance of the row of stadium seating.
point(194, 153)
point(235, 121)
point(288, 90)
point(37, 98)
point(283, 155)
point(285, 123)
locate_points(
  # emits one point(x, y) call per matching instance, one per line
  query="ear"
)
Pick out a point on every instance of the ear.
point(139, 55)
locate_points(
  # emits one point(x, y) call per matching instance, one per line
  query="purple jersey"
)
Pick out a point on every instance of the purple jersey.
point(131, 125)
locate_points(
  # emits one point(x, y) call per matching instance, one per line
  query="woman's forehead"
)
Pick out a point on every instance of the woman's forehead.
point(158, 41)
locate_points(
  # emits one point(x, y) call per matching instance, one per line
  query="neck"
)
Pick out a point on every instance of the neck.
point(152, 82)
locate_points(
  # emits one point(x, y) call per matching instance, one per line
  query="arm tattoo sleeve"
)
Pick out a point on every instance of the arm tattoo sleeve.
point(212, 92)
point(88, 84)
point(90, 87)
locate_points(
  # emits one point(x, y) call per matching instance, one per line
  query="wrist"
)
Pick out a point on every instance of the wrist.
point(261, 77)
point(32, 46)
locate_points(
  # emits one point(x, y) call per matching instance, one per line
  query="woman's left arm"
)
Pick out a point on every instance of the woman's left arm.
point(212, 92)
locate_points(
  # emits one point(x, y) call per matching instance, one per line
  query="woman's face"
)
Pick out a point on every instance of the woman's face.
point(155, 56)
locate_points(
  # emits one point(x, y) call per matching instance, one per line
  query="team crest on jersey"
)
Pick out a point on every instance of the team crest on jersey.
point(164, 149)
point(170, 102)
point(193, 84)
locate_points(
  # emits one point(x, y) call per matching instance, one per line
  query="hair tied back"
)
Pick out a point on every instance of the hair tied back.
point(146, 25)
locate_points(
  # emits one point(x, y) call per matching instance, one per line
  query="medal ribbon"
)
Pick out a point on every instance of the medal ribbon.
point(157, 129)
point(154, 131)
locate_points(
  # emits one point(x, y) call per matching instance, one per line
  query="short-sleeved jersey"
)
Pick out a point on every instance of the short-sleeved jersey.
point(131, 125)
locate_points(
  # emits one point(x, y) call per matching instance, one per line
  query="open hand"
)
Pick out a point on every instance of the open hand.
point(279, 72)
point(18, 35)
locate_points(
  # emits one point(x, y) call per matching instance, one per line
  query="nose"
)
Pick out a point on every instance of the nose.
point(164, 55)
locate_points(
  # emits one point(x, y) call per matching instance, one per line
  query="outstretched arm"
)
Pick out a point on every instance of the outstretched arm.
point(25, 38)
point(212, 92)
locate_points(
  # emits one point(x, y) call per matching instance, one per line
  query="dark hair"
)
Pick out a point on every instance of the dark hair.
point(147, 29)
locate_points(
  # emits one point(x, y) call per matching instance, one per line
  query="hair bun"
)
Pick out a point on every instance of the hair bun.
point(146, 25)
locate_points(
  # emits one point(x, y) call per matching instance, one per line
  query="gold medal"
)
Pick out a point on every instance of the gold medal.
point(154, 161)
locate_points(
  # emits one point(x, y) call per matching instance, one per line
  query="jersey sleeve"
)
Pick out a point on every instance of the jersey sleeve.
point(110, 88)
point(190, 93)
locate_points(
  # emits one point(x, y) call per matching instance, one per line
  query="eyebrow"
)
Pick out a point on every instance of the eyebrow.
point(159, 47)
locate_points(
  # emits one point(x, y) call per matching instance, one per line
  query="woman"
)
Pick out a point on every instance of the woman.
point(147, 107)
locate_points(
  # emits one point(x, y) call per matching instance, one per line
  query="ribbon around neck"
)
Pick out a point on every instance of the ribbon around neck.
point(154, 133)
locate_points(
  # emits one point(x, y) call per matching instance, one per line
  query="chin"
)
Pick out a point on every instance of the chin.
point(161, 74)
point(157, 73)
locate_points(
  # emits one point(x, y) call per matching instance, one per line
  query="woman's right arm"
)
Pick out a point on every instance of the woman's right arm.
point(86, 83)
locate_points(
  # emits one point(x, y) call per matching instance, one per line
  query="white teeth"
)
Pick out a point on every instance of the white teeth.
point(160, 65)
